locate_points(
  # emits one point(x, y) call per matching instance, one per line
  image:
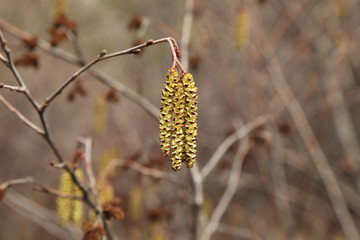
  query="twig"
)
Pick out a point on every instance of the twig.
point(13, 182)
point(87, 142)
point(15, 72)
point(231, 188)
point(76, 47)
point(280, 188)
point(21, 116)
point(46, 189)
point(43, 217)
point(103, 56)
point(230, 140)
point(100, 76)
point(12, 88)
point(151, 172)
point(238, 232)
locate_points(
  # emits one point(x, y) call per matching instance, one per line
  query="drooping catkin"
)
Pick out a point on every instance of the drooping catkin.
point(166, 111)
point(178, 127)
point(69, 210)
point(190, 128)
point(241, 28)
point(178, 140)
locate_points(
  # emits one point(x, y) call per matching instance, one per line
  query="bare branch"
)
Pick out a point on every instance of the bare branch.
point(231, 188)
point(12, 88)
point(46, 189)
point(230, 140)
point(13, 182)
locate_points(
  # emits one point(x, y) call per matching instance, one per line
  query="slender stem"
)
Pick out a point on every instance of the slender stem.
point(12, 88)
point(231, 188)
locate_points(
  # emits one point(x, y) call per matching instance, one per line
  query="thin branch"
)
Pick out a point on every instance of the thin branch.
point(7, 184)
point(12, 88)
point(15, 72)
point(100, 76)
point(151, 172)
point(103, 56)
point(25, 120)
point(43, 217)
point(238, 232)
point(46, 189)
point(230, 140)
point(231, 188)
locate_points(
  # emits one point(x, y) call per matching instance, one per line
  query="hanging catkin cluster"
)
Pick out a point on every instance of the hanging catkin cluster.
point(69, 210)
point(178, 127)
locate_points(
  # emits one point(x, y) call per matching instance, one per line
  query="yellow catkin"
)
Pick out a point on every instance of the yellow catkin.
point(178, 139)
point(63, 205)
point(241, 28)
point(136, 198)
point(60, 7)
point(166, 111)
point(69, 210)
point(100, 114)
point(190, 128)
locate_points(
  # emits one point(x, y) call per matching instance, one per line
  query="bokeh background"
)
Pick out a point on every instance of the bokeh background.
point(238, 51)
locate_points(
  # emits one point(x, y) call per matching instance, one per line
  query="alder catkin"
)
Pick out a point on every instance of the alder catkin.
point(69, 210)
point(190, 128)
point(178, 116)
point(241, 28)
point(166, 111)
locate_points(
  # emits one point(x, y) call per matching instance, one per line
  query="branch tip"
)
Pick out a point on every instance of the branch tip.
point(102, 53)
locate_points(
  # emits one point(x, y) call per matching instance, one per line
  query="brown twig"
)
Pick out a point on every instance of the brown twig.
point(46, 189)
point(231, 188)
point(12, 88)
point(7, 184)
point(230, 140)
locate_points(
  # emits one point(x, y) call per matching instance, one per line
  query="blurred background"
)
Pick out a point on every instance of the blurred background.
point(294, 64)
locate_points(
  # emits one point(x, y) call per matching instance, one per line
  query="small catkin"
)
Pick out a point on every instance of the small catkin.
point(190, 128)
point(63, 205)
point(69, 210)
point(241, 29)
point(178, 140)
point(60, 7)
point(166, 111)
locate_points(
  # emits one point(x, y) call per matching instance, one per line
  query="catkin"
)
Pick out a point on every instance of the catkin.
point(166, 111)
point(69, 210)
point(241, 28)
point(178, 127)
point(190, 119)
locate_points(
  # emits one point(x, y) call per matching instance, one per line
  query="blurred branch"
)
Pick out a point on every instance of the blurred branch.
point(151, 172)
point(280, 188)
point(10, 64)
point(231, 188)
point(238, 232)
point(12, 88)
point(230, 140)
point(43, 217)
point(46, 189)
point(7, 184)
point(289, 100)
